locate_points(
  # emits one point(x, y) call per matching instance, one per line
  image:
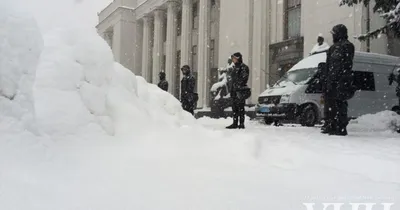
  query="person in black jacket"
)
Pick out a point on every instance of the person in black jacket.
point(239, 78)
point(188, 95)
point(339, 81)
point(323, 74)
point(393, 78)
point(163, 84)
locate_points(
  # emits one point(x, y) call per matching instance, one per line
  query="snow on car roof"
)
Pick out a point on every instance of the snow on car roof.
point(364, 57)
point(310, 62)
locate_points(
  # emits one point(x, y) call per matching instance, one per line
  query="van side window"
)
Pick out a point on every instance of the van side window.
point(364, 80)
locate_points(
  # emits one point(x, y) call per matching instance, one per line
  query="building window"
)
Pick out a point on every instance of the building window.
point(163, 63)
point(194, 57)
point(164, 28)
point(179, 23)
point(364, 80)
point(293, 19)
point(177, 74)
point(108, 36)
point(194, 64)
point(195, 15)
point(212, 53)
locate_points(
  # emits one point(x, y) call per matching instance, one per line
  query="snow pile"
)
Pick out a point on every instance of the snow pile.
point(20, 47)
point(79, 82)
point(386, 121)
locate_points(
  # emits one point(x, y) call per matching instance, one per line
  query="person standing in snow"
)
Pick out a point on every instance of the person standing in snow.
point(339, 81)
point(239, 92)
point(188, 95)
point(393, 78)
point(320, 47)
point(163, 84)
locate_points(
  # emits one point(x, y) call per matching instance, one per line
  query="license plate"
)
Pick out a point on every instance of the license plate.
point(264, 109)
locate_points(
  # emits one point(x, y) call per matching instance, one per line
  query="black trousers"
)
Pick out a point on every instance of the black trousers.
point(188, 107)
point(336, 118)
point(238, 109)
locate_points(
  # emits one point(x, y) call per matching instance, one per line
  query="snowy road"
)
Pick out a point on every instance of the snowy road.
point(300, 163)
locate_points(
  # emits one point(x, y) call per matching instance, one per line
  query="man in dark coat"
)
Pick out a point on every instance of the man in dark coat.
point(188, 95)
point(163, 84)
point(326, 128)
point(339, 81)
point(239, 78)
point(394, 78)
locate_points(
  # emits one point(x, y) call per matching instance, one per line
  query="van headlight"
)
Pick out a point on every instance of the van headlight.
point(284, 99)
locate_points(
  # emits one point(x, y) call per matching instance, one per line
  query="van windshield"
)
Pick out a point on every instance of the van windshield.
point(297, 77)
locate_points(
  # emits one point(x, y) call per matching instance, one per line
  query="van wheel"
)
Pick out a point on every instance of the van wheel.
point(396, 109)
point(309, 116)
point(268, 120)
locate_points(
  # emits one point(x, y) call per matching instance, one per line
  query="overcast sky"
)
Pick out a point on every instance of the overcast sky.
point(54, 13)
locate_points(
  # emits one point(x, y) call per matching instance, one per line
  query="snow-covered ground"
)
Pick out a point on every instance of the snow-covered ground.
point(80, 132)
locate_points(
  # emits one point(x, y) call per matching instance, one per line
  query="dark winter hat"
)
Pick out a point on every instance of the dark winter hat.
point(161, 74)
point(339, 31)
point(185, 67)
point(238, 55)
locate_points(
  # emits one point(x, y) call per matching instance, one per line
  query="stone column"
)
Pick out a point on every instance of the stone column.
point(146, 56)
point(203, 52)
point(158, 44)
point(138, 52)
point(186, 35)
point(171, 45)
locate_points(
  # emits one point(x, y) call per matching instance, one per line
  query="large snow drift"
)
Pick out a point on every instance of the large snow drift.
point(20, 47)
point(78, 82)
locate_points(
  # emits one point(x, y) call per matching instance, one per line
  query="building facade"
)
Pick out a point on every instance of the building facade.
point(149, 36)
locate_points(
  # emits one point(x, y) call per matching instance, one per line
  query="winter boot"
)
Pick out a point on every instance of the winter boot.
point(241, 126)
point(326, 130)
point(277, 123)
point(339, 132)
point(234, 124)
point(326, 127)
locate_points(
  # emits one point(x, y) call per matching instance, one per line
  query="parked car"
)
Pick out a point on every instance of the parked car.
point(297, 96)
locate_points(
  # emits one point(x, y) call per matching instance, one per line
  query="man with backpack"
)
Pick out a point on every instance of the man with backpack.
point(339, 81)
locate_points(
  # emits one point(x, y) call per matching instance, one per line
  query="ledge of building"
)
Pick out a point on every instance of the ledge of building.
point(284, 43)
point(111, 14)
point(287, 50)
point(148, 6)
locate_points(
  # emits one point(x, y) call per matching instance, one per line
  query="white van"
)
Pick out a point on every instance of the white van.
point(297, 95)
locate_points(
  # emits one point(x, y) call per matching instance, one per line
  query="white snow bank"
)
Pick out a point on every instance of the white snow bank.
point(79, 83)
point(386, 121)
point(20, 47)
